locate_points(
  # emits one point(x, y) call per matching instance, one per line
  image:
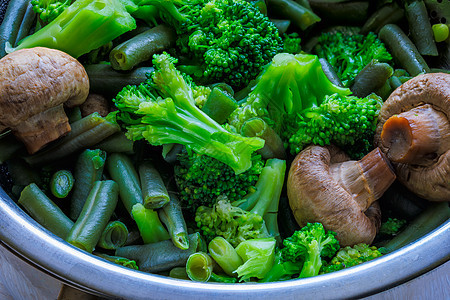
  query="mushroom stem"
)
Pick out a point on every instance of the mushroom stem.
point(42, 128)
point(367, 179)
point(417, 136)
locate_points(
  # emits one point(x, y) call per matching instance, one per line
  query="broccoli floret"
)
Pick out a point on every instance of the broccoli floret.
point(83, 26)
point(348, 122)
point(288, 85)
point(291, 43)
point(244, 219)
point(350, 53)
point(48, 10)
point(351, 256)
point(162, 110)
point(201, 179)
point(391, 226)
point(231, 39)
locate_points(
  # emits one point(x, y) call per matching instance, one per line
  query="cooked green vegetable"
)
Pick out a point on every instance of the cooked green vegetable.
point(149, 224)
point(440, 32)
point(303, 17)
point(11, 23)
point(131, 264)
point(61, 183)
point(224, 255)
point(154, 191)
point(83, 26)
point(113, 236)
point(258, 256)
point(48, 10)
point(391, 226)
point(172, 216)
point(221, 36)
point(163, 111)
point(199, 266)
point(372, 77)
point(219, 105)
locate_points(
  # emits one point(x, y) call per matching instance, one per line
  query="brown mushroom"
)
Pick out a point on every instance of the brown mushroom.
point(95, 103)
point(34, 85)
point(325, 186)
point(414, 132)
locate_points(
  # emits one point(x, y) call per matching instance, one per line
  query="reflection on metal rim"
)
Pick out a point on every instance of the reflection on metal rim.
point(73, 266)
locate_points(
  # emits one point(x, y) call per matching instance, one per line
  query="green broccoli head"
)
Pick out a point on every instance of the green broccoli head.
point(48, 10)
point(291, 43)
point(201, 179)
point(163, 111)
point(231, 39)
point(309, 245)
point(350, 53)
point(348, 122)
point(351, 256)
point(391, 226)
point(230, 222)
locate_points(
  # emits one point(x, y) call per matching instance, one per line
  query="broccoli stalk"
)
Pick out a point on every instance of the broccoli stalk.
point(303, 253)
point(228, 40)
point(48, 10)
point(163, 111)
point(244, 220)
point(83, 26)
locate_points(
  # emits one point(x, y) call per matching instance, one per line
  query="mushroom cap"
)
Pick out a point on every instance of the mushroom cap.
point(316, 196)
point(35, 83)
point(429, 182)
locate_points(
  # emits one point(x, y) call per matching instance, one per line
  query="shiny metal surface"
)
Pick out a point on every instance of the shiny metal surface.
point(46, 251)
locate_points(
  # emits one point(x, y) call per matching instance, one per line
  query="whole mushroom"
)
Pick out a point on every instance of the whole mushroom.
point(325, 186)
point(35, 85)
point(414, 132)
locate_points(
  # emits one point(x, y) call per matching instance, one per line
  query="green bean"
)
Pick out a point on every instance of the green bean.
point(45, 211)
point(171, 151)
point(172, 216)
point(113, 236)
point(343, 12)
point(29, 20)
point(128, 263)
point(94, 217)
point(179, 273)
point(273, 145)
point(199, 267)
point(370, 78)
point(85, 133)
point(161, 256)
point(149, 224)
point(219, 105)
point(403, 50)
point(420, 28)
point(395, 82)
point(299, 15)
point(122, 171)
point(281, 25)
point(224, 255)
point(103, 79)
point(142, 47)
point(437, 70)
point(222, 278)
point(61, 183)
point(88, 169)
point(387, 14)
point(330, 72)
point(117, 142)
point(11, 23)
point(154, 191)
point(74, 114)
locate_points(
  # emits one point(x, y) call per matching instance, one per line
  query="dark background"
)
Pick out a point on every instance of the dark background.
point(3, 5)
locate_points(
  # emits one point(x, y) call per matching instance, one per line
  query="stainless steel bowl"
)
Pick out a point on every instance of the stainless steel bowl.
point(22, 235)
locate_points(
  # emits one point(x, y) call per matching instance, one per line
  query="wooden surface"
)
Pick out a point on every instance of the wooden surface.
point(19, 280)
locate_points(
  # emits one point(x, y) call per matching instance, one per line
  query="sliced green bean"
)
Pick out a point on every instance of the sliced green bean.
point(161, 256)
point(29, 20)
point(113, 236)
point(116, 143)
point(141, 47)
point(372, 77)
point(94, 217)
point(222, 278)
point(403, 50)
point(11, 23)
point(224, 255)
point(172, 216)
point(179, 273)
point(122, 261)
point(343, 12)
point(154, 191)
point(88, 169)
point(61, 183)
point(273, 145)
point(387, 14)
point(45, 211)
point(199, 267)
point(281, 25)
point(219, 105)
point(85, 133)
point(149, 224)
point(330, 72)
point(298, 14)
point(121, 169)
point(103, 79)
point(420, 28)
